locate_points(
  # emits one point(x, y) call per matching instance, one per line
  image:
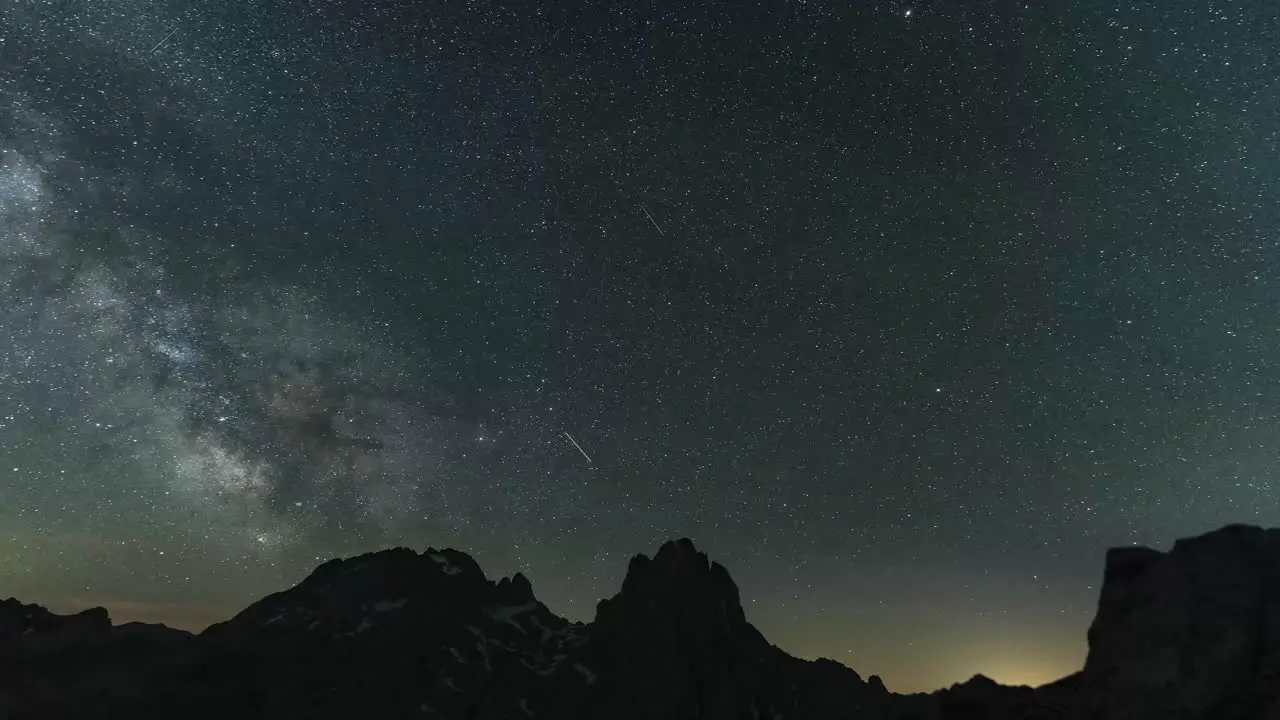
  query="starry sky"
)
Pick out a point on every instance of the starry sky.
point(903, 311)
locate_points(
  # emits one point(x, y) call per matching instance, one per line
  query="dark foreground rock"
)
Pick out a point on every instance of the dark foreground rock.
point(1193, 633)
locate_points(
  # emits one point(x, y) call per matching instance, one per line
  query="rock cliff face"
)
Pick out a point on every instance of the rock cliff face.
point(1193, 633)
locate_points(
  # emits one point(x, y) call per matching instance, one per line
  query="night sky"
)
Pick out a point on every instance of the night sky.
point(904, 312)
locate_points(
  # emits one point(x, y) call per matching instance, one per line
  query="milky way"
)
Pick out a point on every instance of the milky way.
point(255, 402)
point(154, 366)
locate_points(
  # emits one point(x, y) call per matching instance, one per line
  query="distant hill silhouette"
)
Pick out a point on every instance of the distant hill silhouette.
point(1193, 633)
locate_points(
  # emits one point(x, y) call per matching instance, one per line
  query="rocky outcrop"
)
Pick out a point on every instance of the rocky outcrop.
point(1193, 633)
point(78, 666)
point(675, 643)
point(32, 630)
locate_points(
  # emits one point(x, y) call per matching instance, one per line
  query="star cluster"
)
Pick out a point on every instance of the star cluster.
point(903, 311)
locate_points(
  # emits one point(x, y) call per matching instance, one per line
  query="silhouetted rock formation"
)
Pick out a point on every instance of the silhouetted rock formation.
point(674, 643)
point(1193, 633)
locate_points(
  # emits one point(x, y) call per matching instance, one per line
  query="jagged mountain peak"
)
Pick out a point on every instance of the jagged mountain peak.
point(388, 591)
point(678, 575)
point(517, 588)
point(680, 552)
point(447, 561)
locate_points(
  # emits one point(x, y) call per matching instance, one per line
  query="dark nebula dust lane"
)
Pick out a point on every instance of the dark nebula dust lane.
point(903, 312)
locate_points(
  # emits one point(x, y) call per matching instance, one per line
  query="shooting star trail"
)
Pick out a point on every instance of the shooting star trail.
point(575, 444)
point(163, 40)
point(655, 222)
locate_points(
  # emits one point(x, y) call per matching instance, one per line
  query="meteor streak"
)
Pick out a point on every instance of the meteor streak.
point(655, 222)
point(164, 40)
point(575, 444)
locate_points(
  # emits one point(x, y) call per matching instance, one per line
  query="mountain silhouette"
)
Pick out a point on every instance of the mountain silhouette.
point(1191, 634)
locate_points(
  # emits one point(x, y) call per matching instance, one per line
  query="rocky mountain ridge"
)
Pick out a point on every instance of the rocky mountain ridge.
point(1192, 633)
